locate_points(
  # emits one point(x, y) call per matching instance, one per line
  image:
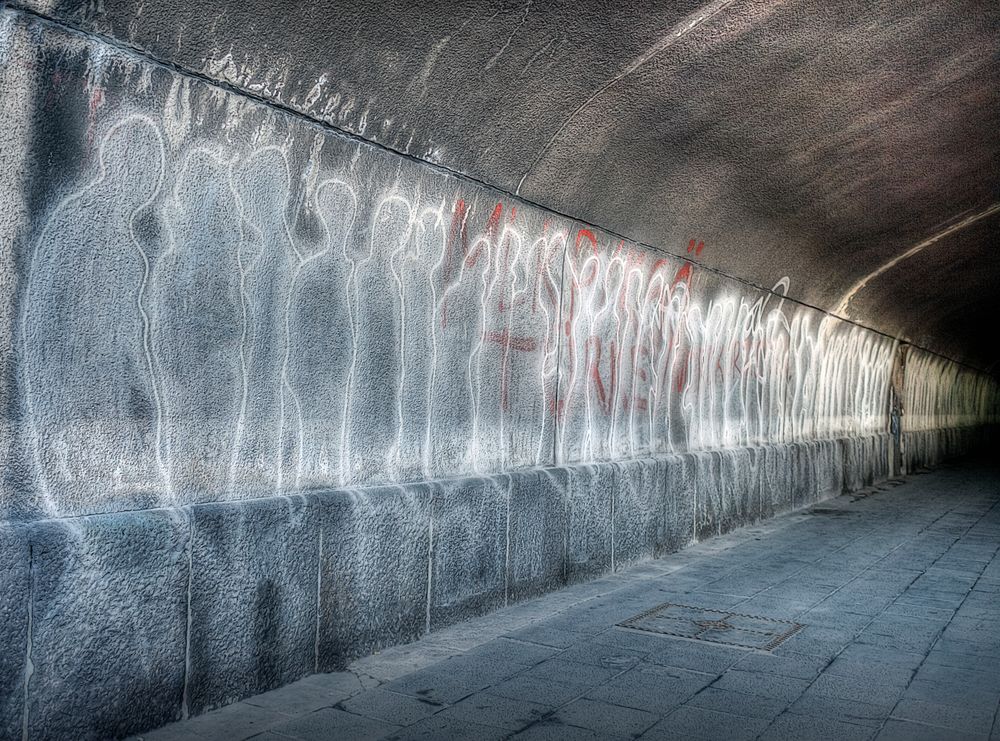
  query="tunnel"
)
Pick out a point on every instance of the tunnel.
point(499, 369)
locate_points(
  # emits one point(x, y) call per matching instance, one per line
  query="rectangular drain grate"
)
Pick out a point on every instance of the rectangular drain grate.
point(715, 626)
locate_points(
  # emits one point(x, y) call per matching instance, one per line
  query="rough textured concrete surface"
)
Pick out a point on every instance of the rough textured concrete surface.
point(373, 570)
point(325, 327)
point(253, 598)
point(589, 540)
point(675, 528)
point(14, 616)
point(827, 457)
point(108, 624)
point(640, 491)
point(708, 494)
point(538, 527)
point(470, 544)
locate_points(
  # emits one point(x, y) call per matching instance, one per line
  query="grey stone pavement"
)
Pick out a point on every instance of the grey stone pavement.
point(898, 588)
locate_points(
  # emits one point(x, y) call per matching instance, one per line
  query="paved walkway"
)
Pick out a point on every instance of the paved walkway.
point(898, 588)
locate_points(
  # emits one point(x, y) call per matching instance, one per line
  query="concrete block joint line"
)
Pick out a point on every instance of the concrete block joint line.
point(279, 398)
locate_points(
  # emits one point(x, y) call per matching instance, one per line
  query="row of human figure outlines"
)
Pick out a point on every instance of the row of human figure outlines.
point(181, 334)
point(941, 394)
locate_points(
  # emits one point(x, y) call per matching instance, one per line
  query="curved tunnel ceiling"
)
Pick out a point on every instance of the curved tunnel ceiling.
point(853, 147)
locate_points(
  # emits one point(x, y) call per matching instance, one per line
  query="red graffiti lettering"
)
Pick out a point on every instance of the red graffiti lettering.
point(506, 340)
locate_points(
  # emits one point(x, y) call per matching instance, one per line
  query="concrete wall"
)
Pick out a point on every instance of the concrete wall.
point(218, 300)
point(253, 368)
point(138, 618)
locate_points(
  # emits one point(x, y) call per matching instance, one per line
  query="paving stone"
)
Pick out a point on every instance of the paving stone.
point(571, 672)
point(960, 660)
point(598, 654)
point(909, 609)
point(339, 684)
point(611, 720)
point(901, 730)
point(391, 707)
point(705, 599)
point(806, 728)
point(903, 641)
point(184, 732)
point(585, 621)
point(864, 652)
point(959, 694)
point(968, 719)
point(496, 711)
point(632, 639)
point(737, 703)
point(703, 723)
point(932, 598)
point(846, 622)
point(695, 655)
point(972, 648)
point(816, 647)
point(548, 636)
point(627, 603)
point(963, 675)
point(868, 671)
point(786, 689)
point(520, 652)
point(555, 731)
point(328, 723)
point(794, 665)
point(537, 689)
point(653, 688)
point(236, 721)
point(849, 711)
point(378, 669)
point(296, 698)
point(436, 686)
point(436, 728)
point(981, 630)
point(490, 671)
point(848, 688)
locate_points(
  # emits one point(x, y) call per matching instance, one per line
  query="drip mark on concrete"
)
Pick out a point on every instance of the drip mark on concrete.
point(430, 564)
point(185, 695)
point(506, 569)
point(319, 599)
point(29, 667)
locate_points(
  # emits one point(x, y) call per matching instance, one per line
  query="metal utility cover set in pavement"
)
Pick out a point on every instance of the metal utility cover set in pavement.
point(714, 626)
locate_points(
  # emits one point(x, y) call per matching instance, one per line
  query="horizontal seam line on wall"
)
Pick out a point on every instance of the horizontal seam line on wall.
point(146, 56)
point(444, 480)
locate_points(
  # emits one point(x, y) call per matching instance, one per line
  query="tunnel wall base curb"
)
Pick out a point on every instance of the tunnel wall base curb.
point(170, 612)
point(924, 448)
